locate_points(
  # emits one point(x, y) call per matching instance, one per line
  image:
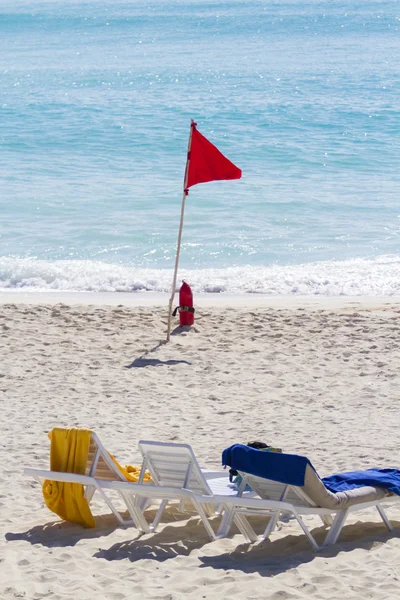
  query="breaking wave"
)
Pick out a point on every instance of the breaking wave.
point(356, 277)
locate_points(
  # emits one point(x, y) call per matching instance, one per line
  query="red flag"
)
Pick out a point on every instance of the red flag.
point(207, 163)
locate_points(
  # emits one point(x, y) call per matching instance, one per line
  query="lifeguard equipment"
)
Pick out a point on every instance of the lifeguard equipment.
point(186, 310)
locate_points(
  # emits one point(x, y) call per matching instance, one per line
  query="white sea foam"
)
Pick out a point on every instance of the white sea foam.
point(357, 277)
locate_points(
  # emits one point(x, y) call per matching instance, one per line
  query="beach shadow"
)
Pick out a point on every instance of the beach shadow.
point(269, 558)
point(144, 361)
point(154, 362)
point(182, 329)
point(63, 534)
point(172, 541)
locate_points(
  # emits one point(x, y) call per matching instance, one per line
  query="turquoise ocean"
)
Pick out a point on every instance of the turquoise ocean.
point(96, 99)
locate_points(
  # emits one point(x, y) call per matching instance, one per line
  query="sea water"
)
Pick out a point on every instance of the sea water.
point(96, 99)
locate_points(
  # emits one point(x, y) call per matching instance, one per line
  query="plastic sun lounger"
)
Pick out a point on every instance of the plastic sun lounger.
point(276, 499)
point(174, 466)
point(101, 474)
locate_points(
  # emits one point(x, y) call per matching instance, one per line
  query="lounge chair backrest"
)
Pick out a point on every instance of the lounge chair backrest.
point(274, 490)
point(173, 465)
point(100, 464)
point(313, 493)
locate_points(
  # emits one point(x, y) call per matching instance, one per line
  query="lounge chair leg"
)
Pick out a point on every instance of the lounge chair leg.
point(271, 525)
point(136, 514)
point(241, 522)
point(159, 513)
point(306, 531)
point(226, 522)
point(113, 509)
point(383, 514)
point(204, 518)
point(336, 528)
point(245, 528)
point(142, 503)
point(89, 492)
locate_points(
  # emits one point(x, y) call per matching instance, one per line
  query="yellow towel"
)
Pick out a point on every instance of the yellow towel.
point(68, 453)
point(131, 472)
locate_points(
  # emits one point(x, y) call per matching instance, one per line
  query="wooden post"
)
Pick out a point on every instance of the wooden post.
point(178, 247)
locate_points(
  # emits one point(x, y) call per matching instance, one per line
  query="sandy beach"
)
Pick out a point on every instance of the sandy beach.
point(314, 377)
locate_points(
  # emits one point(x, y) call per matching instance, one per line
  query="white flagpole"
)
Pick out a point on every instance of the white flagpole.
point(178, 248)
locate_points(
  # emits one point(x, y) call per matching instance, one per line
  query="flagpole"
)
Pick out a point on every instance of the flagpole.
point(178, 247)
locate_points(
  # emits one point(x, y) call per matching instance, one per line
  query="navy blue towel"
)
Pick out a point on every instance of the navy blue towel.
point(385, 478)
point(285, 468)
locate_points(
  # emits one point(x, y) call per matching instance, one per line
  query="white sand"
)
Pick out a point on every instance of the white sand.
point(316, 377)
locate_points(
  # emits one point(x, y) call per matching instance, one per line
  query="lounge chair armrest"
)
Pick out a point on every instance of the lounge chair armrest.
point(58, 476)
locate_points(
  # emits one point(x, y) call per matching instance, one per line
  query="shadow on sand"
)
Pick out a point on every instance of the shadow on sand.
point(172, 541)
point(268, 558)
point(154, 362)
point(184, 532)
point(144, 361)
point(61, 533)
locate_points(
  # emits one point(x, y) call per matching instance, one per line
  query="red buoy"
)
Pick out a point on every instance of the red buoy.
point(186, 310)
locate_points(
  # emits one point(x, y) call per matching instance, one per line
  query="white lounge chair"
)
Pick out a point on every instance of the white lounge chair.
point(312, 498)
point(101, 474)
point(174, 466)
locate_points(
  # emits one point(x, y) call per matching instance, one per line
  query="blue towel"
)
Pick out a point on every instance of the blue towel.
point(291, 468)
point(385, 478)
point(285, 468)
